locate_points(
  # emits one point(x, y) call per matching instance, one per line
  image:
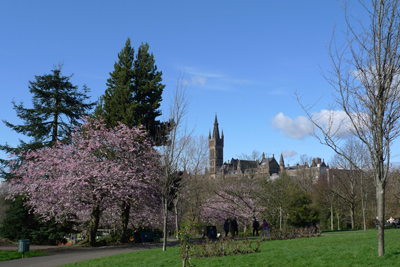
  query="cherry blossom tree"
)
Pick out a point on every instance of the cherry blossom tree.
point(234, 198)
point(100, 169)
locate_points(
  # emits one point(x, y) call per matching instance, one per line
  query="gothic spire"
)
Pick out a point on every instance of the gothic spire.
point(216, 130)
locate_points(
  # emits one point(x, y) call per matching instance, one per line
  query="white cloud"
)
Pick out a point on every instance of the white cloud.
point(333, 121)
point(214, 80)
point(198, 80)
point(289, 153)
point(298, 128)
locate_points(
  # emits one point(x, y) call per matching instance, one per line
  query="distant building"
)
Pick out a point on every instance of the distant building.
point(267, 167)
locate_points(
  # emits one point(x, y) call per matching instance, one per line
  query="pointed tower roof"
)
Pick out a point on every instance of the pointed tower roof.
point(216, 130)
point(209, 134)
point(281, 161)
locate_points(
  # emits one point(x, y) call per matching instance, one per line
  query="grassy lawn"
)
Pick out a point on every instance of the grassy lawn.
point(347, 248)
point(6, 255)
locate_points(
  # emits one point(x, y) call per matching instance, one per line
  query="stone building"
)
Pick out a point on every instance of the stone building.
point(266, 166)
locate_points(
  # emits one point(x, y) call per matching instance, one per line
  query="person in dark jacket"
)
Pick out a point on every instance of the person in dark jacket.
point(235, 227)
point(226, 227)
point(256, 224)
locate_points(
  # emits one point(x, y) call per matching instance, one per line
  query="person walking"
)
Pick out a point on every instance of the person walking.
point(256, 224)
point(226, 227)
point(235, 227)
point(265, 228)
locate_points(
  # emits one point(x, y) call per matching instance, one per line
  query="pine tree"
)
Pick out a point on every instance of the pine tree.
point(57, 108)
point(147, 91)
point(134, 92)
point(117, 105)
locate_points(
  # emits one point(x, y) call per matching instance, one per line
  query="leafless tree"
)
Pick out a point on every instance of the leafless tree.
point(365, 74)
point(304, 174)
point(190, 195)
point(197, 179)
point(173, 151)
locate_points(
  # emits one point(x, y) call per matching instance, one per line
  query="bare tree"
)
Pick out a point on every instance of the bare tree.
point(304, 174)
point(173, 151)
point(194, 160)
point(196, 183)
point(365, 75)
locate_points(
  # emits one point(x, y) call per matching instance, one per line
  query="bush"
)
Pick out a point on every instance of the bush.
point(112, 239)
point(224, 247)
point(294, 233)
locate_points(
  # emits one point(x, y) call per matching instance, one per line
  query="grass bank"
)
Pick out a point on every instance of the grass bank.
point(347, 248)
point(6, 255)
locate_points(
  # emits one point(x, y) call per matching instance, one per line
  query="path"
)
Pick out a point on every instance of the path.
point(72, 254)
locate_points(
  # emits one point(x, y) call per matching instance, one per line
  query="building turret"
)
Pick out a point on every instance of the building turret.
point(281, 163)
point(216, 147)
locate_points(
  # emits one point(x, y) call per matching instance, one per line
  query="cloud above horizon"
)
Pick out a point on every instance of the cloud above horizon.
point(289, 153)
point(298, 128)
point(215, 80)
point(301, 127)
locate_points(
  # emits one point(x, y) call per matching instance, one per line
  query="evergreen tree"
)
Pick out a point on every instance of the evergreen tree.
point(134, 92)
point(147, 91)
point(58, 106)
point(116, 105)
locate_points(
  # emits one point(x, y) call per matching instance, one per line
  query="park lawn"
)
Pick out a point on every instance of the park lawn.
point(6, 255)
point(347, 249)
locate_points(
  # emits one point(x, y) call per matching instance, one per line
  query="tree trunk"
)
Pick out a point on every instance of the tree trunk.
point(176, 214)
point(94, 225)
point(380, 201)
point(331, 217)
point(363, 204)
point(125, 212)
point(352, 216)
point(338, 221)
point(165, 210)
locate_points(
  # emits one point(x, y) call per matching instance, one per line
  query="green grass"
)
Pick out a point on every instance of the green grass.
point(347, 248)
point(6, 255)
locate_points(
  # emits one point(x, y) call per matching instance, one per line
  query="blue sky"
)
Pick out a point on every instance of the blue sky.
point(243, 60)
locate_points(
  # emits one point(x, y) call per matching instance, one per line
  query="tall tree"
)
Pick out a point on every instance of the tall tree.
point(99, 168)
point(117, 105)
point(365, 76)
point(147, 91)
point(173, 152)
point(134, 91)
point(132, 97)
point(57, 108)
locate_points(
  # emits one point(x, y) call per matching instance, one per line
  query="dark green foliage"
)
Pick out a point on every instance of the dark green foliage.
point(116, 105)
point(22, 224)
point(285, 198)
point(134, 92)
point(57, 108)
point(147, 90)
point(301, 209)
